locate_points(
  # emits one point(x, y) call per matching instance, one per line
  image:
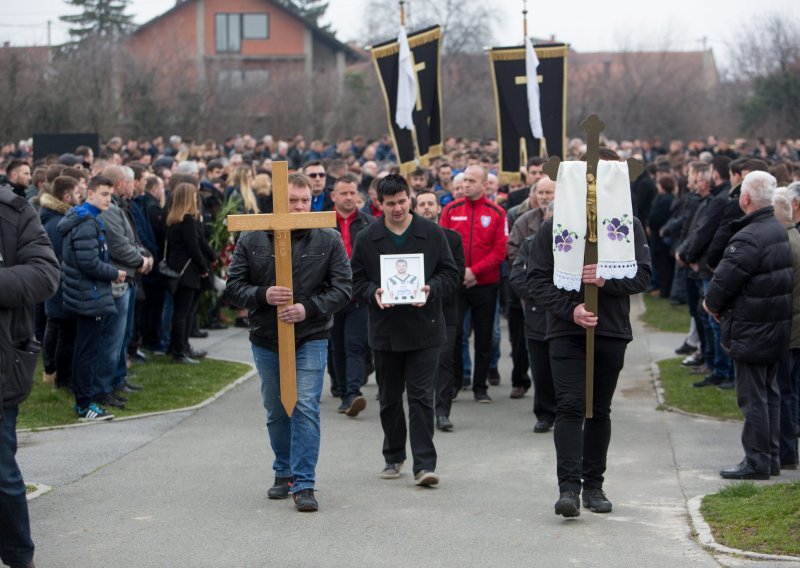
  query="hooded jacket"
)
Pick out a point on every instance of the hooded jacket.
point(51, 211)
point(87, 271)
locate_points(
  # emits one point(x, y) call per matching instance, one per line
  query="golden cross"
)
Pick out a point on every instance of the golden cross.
point(523, 80)
point(418, 67)
point(282, 222)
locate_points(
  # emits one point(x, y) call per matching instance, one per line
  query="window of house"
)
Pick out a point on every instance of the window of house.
point(255, 26)
point(231, 29)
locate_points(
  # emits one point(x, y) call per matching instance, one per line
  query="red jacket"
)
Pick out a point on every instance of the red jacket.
point(483, 229)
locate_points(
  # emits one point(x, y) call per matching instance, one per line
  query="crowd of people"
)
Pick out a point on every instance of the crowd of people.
point(140, 235)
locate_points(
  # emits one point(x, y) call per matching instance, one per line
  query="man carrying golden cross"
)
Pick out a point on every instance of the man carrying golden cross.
point(300, 313)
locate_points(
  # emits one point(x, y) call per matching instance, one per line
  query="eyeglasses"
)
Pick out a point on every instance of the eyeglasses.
point(315, 175)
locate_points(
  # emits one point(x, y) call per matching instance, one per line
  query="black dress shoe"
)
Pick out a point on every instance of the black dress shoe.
point(109, 400)
point(685, 349)
point(709, 381)
point(216, 325)
point(197, 334)
point(184, 360)
point(197, 354)
point(443, 423)
point(743, 471)
point(132, 386)
point(118, 394)
point(542, 426)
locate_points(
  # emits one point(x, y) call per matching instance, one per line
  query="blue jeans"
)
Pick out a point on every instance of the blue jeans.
point(113, 335)
point(16, 546)
point(121, 372)
point(349, 339)
point(723, 364)
point(295, 439)
point(166, 320)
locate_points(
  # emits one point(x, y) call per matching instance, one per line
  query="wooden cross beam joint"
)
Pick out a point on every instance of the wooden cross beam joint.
point(283, 222)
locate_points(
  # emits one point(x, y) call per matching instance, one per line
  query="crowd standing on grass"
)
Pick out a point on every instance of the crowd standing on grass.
point(139, 231)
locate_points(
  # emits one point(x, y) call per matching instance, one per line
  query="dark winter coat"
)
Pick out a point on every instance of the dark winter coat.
point(87, 270)
point(705, 225)
point(660, 212)
point(405, 327)
point(321, 277)
point(535, 316)
point(185, 241)
point(752, 290)
point(732, 212)
point(51, 211)
point(614, 297)
point(29, 274)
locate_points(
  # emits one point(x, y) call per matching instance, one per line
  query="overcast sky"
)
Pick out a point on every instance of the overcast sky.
point(588, 25)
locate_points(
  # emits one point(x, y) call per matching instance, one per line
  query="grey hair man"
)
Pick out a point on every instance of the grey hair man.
point(750, 295)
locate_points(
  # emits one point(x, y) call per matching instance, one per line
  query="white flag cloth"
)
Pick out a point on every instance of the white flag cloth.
point(406, 84)
point(569, 225)
point(616, 252)
point(534, 111)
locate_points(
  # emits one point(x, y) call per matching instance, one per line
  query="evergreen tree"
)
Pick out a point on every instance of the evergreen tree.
point(99, 18)
point(312, 10)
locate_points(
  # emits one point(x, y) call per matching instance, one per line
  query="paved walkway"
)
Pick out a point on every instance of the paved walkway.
point(188, 489)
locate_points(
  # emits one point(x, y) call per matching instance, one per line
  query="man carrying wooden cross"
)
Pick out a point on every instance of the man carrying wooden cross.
point(560, 277)
point(322, 283)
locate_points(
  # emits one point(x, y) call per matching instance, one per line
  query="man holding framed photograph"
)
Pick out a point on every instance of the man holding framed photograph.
point(405, 337)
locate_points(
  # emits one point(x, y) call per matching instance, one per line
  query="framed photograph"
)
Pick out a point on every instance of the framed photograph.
point(402, 278)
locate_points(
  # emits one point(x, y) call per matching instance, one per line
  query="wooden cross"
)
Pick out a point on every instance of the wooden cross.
point(593, 126)
point(282, 222)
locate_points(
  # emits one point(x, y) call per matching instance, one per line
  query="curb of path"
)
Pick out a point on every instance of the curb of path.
point(244, 378)
point(655, 371)
point(706, 537)
point(41, 489)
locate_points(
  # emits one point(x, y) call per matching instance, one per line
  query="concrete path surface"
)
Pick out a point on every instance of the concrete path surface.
point(188, 489)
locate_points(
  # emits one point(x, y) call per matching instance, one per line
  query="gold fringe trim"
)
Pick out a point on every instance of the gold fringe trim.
point(407, 167)
point(515, 54)
point(413, 41)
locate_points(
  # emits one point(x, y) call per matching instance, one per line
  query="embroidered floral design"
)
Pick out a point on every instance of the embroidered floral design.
point(563, 239)
point(619, 229)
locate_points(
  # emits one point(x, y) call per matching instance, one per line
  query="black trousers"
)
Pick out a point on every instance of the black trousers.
point(348, 341)
point(182, 319)
point(414, 371)
point(152, 309)
point(447, 382)
point(759, 398)
point(482, 300)
point(582, 443)
point(88, 331)
point(58, 348)
point(664, 264)
point(544, 392)
point(519, 353)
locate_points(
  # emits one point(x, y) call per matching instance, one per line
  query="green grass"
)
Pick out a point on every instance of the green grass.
point(758, 518)
point(679, 392)
point(661, 315)
point(166, 386)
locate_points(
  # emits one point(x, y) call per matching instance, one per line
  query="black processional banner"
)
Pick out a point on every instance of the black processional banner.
point(425, 142)
point(514, 134)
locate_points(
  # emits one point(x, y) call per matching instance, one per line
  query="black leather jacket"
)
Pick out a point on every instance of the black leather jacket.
point(322, 282)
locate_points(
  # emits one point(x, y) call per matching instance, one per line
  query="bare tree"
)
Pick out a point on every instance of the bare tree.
point(468, 24)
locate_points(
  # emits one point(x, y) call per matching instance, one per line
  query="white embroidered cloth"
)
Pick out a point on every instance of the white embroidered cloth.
point(615, 249)
point(569, 225)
